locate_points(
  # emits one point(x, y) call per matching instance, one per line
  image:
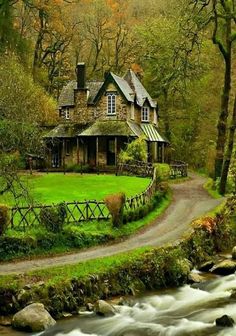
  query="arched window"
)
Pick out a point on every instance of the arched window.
point(111, 103)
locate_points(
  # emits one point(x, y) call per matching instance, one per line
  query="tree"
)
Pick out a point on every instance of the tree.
point(23, 107)
point(220, 16)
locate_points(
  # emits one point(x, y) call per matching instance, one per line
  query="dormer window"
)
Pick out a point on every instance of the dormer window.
point(145, 113)
point(111, 103)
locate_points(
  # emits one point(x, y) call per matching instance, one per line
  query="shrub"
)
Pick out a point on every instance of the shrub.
point(53, 218)
point(135, 150)
point(115, 204)
point(4, 218)
point(162, 171)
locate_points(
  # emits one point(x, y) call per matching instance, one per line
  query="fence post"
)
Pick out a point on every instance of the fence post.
point(86, 211)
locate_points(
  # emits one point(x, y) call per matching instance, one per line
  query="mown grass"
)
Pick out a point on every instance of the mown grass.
point(57, 187)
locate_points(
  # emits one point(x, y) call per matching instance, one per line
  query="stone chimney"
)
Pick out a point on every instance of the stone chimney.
point(81, 76)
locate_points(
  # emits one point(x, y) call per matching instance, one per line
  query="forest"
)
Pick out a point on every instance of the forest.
point(182, 50)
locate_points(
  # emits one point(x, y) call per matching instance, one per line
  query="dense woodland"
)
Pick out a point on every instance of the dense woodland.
point(183, 50)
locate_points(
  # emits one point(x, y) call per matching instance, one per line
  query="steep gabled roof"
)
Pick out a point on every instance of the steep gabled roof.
point(141, 93)
point(129, 86)
point(121, 84)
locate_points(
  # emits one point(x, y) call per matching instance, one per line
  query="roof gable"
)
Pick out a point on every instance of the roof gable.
point(121, 84)
point(141, 93)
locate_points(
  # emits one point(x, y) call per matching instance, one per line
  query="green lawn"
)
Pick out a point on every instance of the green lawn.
point(57, 187)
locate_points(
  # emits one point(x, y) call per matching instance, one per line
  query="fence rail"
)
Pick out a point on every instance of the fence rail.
point(132, 203)
point(29, 216)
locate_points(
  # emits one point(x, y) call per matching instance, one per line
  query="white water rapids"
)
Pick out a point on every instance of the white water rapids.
point(185, 311)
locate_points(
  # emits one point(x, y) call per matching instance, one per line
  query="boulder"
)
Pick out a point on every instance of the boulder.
point(103, 308)
point(33, 318)
point(225, 321)
point(234, 253)
point(205, 267)
point(195, 278)
point(225, 267)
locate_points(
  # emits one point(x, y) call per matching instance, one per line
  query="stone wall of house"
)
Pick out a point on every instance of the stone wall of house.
point(138, 113)
point(122, 107)
point(83, 113)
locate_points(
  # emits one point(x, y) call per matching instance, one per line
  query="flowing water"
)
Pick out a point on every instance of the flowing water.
point(189, 310)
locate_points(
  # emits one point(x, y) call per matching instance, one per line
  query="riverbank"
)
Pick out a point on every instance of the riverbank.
point(66, 289)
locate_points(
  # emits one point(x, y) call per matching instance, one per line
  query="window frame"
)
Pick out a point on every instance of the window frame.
point(145, 114)
point(111, 103)
point(67, 113)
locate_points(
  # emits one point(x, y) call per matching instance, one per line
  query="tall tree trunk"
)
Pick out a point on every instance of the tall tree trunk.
point(229, 151)
point(222, 121)
point(38, 45)
point(166, 118)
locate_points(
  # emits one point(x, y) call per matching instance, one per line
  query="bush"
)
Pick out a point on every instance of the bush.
point(162, 171)
point(136, 150)
point(76, 168)
point(115, 204)
point(53, 218)
point(4, 218)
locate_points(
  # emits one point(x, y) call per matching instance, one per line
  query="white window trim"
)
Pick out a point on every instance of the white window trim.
point(112, 107)
point(67, 113)
point(145, 114)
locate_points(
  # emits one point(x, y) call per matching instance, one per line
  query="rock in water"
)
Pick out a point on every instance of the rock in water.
point(104, 308)
point(33, 318)
point(205, 267)
point(225, 267)
point(195, 278)
point(225, 321)
point(234, 253)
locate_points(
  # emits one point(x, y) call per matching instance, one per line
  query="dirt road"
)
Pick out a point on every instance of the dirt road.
point(190, 201)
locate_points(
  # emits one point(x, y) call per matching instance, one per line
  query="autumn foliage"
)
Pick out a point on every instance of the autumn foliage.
point(207, 223)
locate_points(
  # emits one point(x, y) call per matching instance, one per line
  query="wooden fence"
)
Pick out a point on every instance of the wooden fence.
point(143, 198)
point(25, 217)
point(29, 216)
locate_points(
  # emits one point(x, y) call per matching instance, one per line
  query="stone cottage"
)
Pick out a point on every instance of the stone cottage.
point(98, 119)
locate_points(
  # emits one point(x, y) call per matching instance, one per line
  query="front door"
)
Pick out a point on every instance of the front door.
point(111, 152)
point(92, 151)
point(56, 156)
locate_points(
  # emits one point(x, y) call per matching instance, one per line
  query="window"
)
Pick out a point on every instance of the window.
point(145, 113)
point(111, 103)
point(67, 113)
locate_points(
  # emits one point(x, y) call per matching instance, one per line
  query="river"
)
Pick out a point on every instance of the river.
point(189, 310)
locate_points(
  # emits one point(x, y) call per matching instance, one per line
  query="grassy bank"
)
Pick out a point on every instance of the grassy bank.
point(65, 289)
point(39, 242)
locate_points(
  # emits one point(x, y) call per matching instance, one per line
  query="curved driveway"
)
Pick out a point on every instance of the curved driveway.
point(190, 201)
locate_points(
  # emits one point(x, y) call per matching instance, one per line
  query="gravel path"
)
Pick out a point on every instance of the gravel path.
point(190, 201)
